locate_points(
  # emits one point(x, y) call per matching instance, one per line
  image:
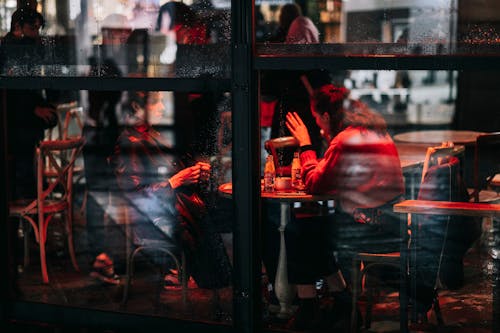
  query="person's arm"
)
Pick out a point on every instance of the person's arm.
point(130, 172)
point(319, 175)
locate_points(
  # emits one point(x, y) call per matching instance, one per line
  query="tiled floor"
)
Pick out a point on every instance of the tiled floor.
point(466, 310)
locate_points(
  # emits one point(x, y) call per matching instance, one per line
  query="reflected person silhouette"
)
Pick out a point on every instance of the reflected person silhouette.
point(361, 169)
point(30, 113)
point(163, 190)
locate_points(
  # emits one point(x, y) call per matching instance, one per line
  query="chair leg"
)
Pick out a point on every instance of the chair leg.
point(83, 208)
point(43, 259)
point(130, 273)
point(69, 233)
point(159, 288)
point(184, 277)
point(369, 307)
point(355, 291)
point(24, 234)
point(437, 310)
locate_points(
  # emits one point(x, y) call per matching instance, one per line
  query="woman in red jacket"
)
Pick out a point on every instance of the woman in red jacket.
point(361, 169)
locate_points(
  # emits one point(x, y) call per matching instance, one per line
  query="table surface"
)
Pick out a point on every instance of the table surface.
point(434, 137)
point(226, 190)
point(411, 156)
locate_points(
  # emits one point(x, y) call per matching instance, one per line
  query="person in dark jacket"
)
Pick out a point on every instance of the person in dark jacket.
point(164, 192)
point(29, 113)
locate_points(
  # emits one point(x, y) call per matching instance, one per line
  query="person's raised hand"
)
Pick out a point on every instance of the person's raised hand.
point(298, 129)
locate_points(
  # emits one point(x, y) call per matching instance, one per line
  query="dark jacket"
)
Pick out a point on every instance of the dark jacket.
point(143, 163)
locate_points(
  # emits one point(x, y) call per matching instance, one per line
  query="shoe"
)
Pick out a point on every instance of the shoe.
point(104, 271)
point(172, 281)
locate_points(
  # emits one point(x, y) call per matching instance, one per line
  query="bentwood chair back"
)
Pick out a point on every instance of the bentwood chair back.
point(282, 151)
point(72, 120)
point(486, 166)
point(439, 164)
point(54, 194)
point(72, 128)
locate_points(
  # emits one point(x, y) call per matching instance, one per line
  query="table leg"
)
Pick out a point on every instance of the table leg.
point(403, 288)
point(495, 257)
point(284, 291)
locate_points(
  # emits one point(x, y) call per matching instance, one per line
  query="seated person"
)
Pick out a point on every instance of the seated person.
point(361, 169)
point(165, 196)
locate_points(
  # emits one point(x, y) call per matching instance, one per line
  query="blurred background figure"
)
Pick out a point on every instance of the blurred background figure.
point(30, 112)
point(163, 190)
point(294, 28)
point(180, 25)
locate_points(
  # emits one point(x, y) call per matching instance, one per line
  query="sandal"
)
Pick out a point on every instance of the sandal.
point(172, 281)
point(103, 270)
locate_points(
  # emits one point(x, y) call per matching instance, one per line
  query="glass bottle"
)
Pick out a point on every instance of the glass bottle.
point(296, 171)
point(269, 174)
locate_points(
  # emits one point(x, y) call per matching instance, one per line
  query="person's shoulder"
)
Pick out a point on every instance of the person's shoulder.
point(128, 135)
point(302, 31)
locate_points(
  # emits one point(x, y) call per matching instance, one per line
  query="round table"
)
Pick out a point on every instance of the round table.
point(436, 137)
point(284, 291)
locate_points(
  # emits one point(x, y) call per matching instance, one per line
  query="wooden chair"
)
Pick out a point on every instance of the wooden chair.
point(119, 210)
point(72, 120)
point(280, 148)
point(71, 128)
point(369, 261)
point(62, 110)
point(486, 167)
point(54, 195)
point(435, 208)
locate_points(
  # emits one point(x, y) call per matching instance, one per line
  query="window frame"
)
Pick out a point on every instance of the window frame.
point(244, 88)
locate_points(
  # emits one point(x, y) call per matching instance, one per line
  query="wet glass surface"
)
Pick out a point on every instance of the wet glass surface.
point(111, 220)
point(128, 35)
point(408, 101)
point(373, 28)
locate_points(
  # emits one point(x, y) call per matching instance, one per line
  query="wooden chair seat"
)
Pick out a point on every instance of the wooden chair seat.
point(486, 196)
point(23, 207)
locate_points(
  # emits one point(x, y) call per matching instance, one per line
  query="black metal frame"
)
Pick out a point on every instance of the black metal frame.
point(244, 88)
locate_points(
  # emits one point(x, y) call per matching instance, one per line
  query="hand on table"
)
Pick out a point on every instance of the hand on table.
point(298, 128)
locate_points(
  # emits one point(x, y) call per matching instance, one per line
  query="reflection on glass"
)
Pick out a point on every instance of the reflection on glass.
point(144, 38)
point(403, 98)
point(371, 27)
point(147, 157)
point(409, 102)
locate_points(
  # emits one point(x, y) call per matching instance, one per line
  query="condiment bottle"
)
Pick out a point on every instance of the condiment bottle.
point(296, 171)
point(269, 174)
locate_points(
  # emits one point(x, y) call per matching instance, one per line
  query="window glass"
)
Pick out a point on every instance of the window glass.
point(150, 233)
point(364, 137)
point(134, 38)
point(368, 27)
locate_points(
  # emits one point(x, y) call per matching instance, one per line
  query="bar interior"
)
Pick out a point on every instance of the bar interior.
point(250, 166)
